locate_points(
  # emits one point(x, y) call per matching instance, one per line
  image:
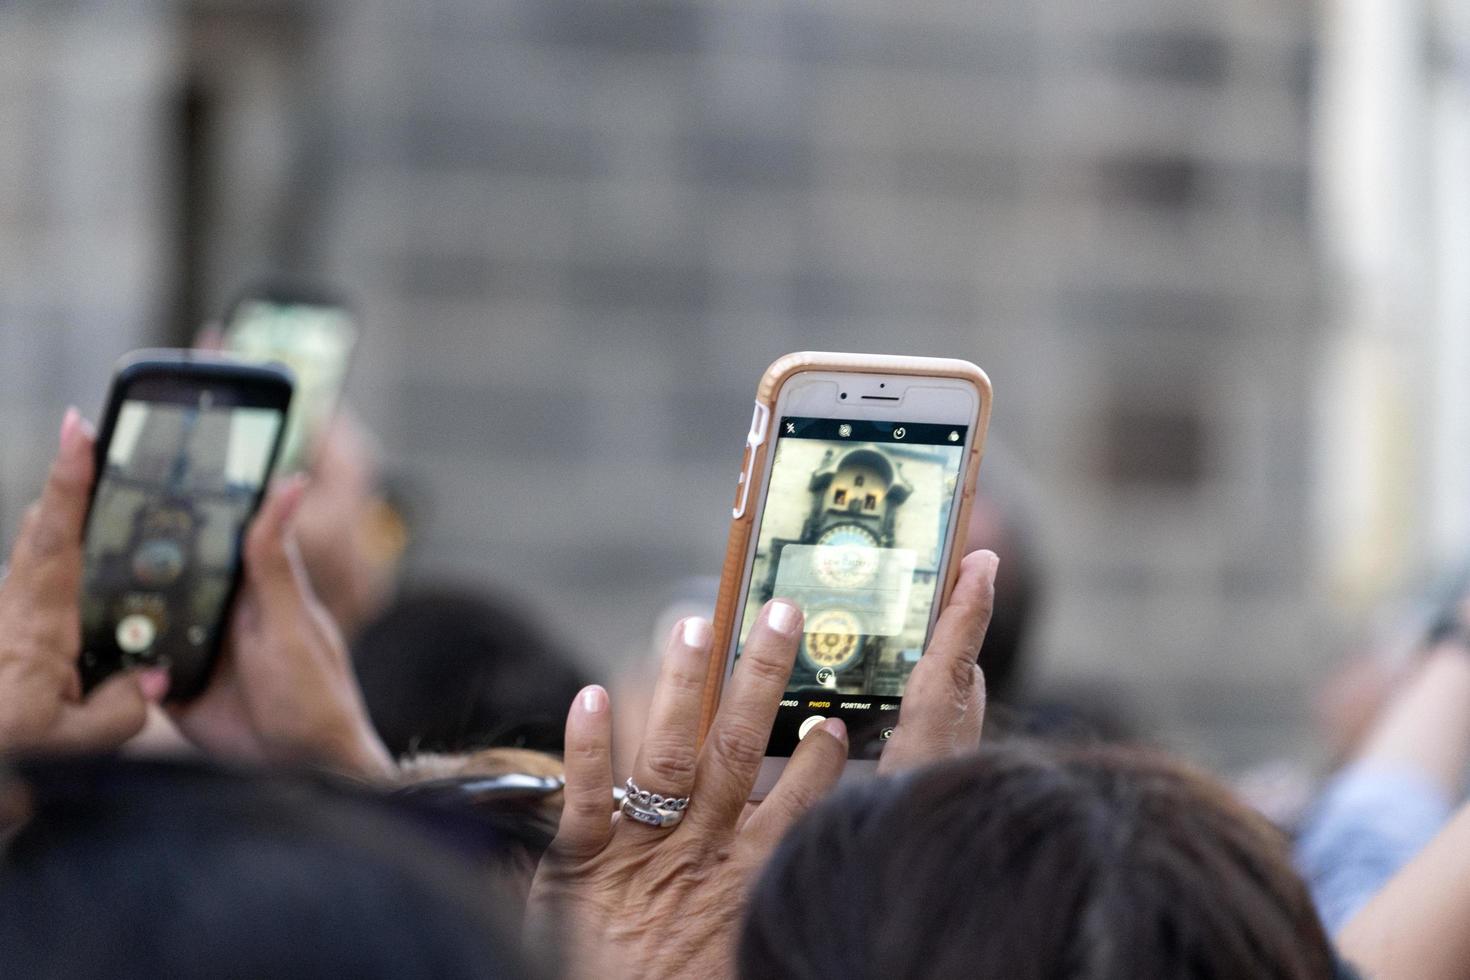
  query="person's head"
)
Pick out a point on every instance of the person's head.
point(453, 670)
point(998, 522)
point(1035, 863)
point(125, 869)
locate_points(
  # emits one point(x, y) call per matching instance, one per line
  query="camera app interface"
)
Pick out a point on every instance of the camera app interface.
point(315, 342)
point(163, 539)
point(853, 532)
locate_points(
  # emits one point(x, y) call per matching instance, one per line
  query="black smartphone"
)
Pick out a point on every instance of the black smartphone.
point(313, 332)
point(184, 453)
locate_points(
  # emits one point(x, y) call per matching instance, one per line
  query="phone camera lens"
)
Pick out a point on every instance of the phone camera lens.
point(843, 395)
point(882, 385)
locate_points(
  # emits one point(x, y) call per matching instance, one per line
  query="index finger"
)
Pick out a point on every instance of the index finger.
point(737, 739)
point(944, 701)
point(54, 525)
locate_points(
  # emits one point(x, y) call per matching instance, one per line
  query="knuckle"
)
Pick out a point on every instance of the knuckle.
point(588, 805)
point(964, 678)
point(738, 743)
point(125, 716)
point(801, 798)
point(264, 551)
point(683, 679)
point(762, 667)
point(583, 753)
point(671, 761)
point(44, 537)
point(31, 518)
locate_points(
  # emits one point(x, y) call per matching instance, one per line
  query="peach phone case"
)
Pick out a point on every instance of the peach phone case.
point(741, 527)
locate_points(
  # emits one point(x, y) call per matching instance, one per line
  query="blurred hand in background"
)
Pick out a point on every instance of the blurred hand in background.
point(350, 538)
point(284, 691)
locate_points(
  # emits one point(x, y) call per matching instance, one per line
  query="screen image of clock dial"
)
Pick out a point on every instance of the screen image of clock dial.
point(853, 531)
point(162, 540)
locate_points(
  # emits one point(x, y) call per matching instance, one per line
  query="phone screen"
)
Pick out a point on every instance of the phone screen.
point(854, 529)
point(314, 340)
point(182, 474)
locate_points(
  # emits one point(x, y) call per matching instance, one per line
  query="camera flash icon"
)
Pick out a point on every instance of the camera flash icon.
point(844, 430)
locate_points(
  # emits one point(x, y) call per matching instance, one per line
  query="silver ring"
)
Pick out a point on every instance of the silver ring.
point(657, 800)
point(648, 816)
point(653, 809)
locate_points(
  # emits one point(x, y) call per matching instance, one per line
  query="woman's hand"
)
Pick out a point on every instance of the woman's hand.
point(41, 703)
point(943, 706)
point(618, 897)
point(283, 691)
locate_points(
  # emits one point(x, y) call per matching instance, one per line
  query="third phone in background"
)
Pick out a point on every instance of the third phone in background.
point(311, 331)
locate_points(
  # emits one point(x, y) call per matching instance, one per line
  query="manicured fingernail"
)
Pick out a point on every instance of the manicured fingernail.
point(836, 728)
point(69, 426)
point(153, 682)
point(696, 632)
point(594, 699)
point(783, 616)
point(74, 430)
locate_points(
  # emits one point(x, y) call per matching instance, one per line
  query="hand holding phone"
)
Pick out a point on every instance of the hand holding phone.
point(853, 495)
point(41, 706)
point(283, 691)
point(624, 897)
point(187, 445)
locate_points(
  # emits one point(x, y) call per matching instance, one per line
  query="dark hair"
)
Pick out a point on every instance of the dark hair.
point(450, 670)
point(147, 869)
point(1032, 863)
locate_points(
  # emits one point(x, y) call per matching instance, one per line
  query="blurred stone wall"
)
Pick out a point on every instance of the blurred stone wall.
point(84, 213)
point(580, 229)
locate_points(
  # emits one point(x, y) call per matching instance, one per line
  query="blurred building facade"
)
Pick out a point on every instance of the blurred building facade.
point(579, 229)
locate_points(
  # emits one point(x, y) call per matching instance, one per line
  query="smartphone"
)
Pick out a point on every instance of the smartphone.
point(852, 502)
point(184, 452)
point(314, 333)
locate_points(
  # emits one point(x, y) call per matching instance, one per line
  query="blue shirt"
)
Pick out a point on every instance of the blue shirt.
point(1367, 824)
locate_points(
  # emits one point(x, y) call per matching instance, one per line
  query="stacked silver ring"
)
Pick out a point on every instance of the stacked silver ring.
point(653, 809)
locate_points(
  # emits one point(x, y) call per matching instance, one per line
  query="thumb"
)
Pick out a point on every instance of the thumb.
point(115, 712)
point(268, 559)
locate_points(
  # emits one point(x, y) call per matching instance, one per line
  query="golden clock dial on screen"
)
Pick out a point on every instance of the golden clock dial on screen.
point(832, 640)
point(850, 558)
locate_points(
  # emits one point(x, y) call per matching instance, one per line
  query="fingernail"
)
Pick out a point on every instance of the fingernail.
point(292, 490)
point(836, 728)
point(69, 426)
point(696, 632)
point(153, 682)
point(992, 562)
point(783, 616)
point(594, 699)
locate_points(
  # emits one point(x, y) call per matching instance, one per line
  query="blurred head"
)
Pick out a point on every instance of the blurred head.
point(1031, 863)
point(998, 522)
point(453, 670)
point(137, 869)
